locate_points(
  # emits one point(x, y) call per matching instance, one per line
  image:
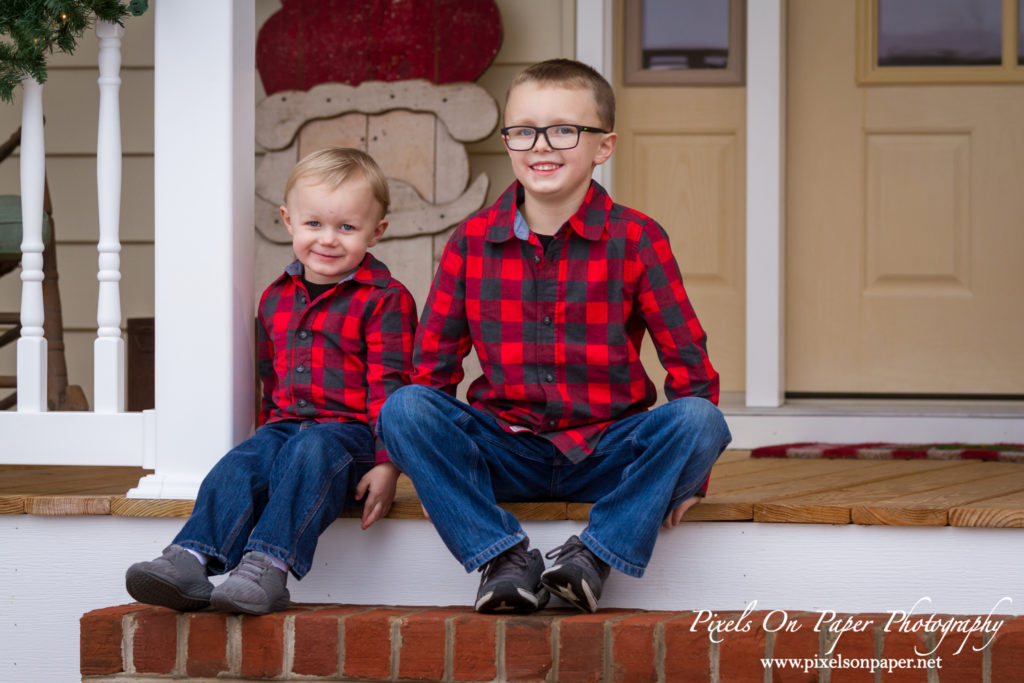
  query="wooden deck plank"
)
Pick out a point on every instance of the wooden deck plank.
point(931, 508)
point(1003, 511)
point(797, 471)
point(67, 505)
point(833, 506)
point(12, 504)
point(742, 488)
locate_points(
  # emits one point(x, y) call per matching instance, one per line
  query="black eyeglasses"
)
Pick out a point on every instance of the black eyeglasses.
point(559, 136)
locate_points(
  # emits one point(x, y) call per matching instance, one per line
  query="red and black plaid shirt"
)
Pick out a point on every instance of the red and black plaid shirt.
point(558, 332)
point(340, 356)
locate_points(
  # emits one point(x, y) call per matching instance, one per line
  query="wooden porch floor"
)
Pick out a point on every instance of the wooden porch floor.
point(890, 492)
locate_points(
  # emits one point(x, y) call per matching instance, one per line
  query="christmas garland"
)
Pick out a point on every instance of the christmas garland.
point(32, 29)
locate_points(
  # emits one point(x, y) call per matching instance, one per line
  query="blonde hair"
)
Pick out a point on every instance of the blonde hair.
point(332, 165)
point(569, 73)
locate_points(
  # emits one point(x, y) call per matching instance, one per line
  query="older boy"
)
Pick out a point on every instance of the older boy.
point(334, 340)
point(554, 286)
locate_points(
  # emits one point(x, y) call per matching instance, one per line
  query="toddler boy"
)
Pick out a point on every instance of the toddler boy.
point(334, 340)
point(554, 287)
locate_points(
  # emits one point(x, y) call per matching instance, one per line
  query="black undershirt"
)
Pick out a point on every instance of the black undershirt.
point(316, 290)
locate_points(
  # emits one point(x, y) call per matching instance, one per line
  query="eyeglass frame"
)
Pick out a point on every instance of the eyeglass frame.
point(538, 130)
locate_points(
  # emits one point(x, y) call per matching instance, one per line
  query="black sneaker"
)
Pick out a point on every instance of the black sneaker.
point(511, 582)
point(577, 575)
point(176, 579)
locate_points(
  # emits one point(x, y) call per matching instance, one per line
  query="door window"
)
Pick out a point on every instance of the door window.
point(683, 42)
point(939, 41)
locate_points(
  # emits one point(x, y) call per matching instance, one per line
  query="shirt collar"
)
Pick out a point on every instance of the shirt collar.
point(588, 222)
point(370, 271)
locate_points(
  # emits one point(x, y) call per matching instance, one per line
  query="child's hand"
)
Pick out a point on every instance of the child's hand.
point(676, 515)
point(380, 482)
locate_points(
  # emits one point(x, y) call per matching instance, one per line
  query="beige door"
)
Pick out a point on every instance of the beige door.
point(905, 225)
point(680, 160)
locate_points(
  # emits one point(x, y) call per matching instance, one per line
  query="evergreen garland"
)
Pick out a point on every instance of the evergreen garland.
point(32, 29)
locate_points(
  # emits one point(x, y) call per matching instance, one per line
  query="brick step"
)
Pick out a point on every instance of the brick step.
point(370, 643)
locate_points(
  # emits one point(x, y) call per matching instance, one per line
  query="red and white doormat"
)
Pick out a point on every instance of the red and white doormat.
point(1002, 452)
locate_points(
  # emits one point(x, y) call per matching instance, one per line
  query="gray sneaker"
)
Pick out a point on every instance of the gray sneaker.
point(176, 579)
point(511, 582)
point(577, 574)
point(255, 586)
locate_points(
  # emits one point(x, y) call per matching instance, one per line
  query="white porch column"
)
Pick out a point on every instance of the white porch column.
point(108, 353)
point(766, 175)
point(32, 344)
point(204, 318)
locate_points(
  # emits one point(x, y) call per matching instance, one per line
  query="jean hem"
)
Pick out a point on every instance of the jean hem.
point(493, 551)
point(614, 561)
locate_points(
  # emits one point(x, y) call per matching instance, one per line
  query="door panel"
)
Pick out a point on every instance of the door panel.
point(904, 226)
point(680, 160)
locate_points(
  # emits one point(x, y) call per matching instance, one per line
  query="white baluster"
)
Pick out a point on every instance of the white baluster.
point(109, 346)
point(32, 344)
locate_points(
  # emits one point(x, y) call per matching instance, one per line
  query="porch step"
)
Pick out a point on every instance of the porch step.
point(359, 643)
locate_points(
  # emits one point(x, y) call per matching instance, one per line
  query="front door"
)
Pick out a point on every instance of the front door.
point(905, 198)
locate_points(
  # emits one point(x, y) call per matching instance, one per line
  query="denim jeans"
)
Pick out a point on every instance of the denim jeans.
point(277, 491)
point(462, 463)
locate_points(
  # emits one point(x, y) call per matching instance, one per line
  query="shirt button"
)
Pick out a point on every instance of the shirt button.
point(547, 320)
point(551, 423)
point(536, 259)
point(301, 368)
point(302, 403)
point(303, 334)
point(549, 377)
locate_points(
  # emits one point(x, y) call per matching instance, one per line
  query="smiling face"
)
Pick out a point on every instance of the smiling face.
point(556, 177)
point(331, 229)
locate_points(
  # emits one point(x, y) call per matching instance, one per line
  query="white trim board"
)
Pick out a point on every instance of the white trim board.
point(54, 569)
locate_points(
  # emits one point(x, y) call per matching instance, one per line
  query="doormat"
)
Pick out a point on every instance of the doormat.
point(1001, 452)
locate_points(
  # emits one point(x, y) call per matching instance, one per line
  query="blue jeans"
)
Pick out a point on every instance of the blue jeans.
point(277, 491)
point(462, 463)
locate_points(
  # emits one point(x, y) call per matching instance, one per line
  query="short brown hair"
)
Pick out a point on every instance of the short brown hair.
point(332, 165)
point(572, 74)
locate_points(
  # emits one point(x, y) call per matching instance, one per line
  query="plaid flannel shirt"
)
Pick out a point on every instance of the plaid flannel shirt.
point(558, 333)
point(340, 356)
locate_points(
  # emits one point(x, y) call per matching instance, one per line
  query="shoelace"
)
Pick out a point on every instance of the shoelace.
point(510, 560)
point(573, 549)
point(250, 569)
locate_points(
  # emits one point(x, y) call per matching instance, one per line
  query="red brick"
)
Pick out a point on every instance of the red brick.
point(368, 643)
point(473, 654)
point(100, 640)
point(423, 644)
point(207, 645)
point(581, 648)
point(263, 645)
point(740, 654)
point(902, 645)
point(633, 647)
point(528, 648)
point(686, 651)
point(967, 665)
point(1008, 650)
point(155, 643)
point(316, 641)
point(799, 643)
point(854, 645)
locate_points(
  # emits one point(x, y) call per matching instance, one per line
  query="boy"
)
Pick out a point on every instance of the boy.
point(334, 340)
point(553, 286)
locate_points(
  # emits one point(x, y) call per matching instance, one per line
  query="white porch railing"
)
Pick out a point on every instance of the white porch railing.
point(204, 82)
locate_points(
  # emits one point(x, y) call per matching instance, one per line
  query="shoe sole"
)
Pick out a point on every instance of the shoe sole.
point(153, 590)
point(568, 583)
point(507, 598)
point(223, 603)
